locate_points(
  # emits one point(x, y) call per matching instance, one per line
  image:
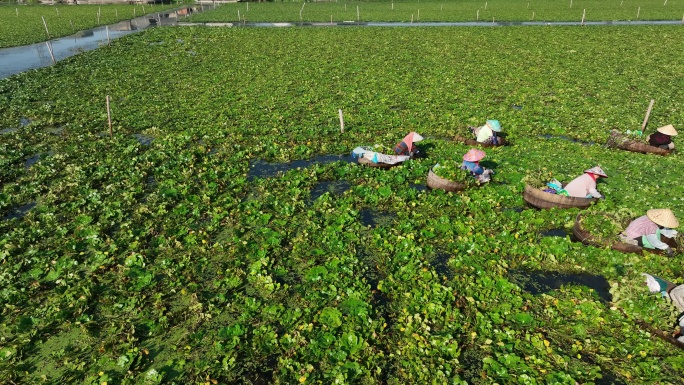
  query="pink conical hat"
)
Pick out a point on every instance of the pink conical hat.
point(474, 155)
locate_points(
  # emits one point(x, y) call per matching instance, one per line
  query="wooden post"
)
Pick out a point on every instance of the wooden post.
point(341, 120)
point(358, 14)
point(57, 10)
point(648, 112)
point(300, 12)
point(108, 41)
point(418, 19)
point(17, 10)
point(46, 28)
point(485, 5)
point(570, 3)
point(584, 14)
point(477, 15)
point(533, 15)
point(52, 55)
point(109, 119)
point(411, 18)
point(638, 12)
point(239, 15)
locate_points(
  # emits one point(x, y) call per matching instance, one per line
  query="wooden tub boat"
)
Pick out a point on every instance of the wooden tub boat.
point(543, 200)
point(436, 182)
point(370, 163)
point(473, 142)
point(587, 238)
point(617, 140)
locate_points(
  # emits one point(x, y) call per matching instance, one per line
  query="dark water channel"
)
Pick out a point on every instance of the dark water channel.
point(374, 218)
point(19, 211)
point(261, 169)
point(333, 187)
point(537, 282)
point(19, 59)
point(562, 233)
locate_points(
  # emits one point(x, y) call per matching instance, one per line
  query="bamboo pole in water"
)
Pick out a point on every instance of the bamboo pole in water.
point(46, 28)
point(52, 55)
point(648, 113)
point(109, 119)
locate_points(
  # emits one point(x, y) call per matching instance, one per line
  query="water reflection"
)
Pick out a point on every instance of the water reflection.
point(19, 59)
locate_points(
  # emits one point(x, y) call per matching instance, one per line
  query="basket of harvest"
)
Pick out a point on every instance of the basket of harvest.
point(537, 197)
point(624, 142)
point(449, 177)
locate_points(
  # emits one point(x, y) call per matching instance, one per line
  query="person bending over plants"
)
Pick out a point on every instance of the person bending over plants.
point(471, 163)
point(672, 291)
point(662, 138)
point(646, 230)
point(584, 186)
point(407, 146)
point(487, 134)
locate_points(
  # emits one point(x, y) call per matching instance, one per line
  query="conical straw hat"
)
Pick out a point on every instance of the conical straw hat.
point(474, 155)
point(495, 125)
point(417, 137)
point(668, 130)
point(597, 171)
point(663, 217)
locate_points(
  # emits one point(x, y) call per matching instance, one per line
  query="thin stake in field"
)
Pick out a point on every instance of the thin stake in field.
point(17, 10)
point(57, 10)
point(485, 5)
point(638, 12)
point(247, 6)
point(570, 3)
point(239, 15)
point(300, 12)
point(109, 119)
point(46, 28)
point(418, 18)
point(52, 55)
point(532, 15)
point(411, 18)
point(584, 14)
point(665, 3)
point(98, 16)
point(358, 14)
point(108, 41)
point(648, 113)
point(477, 15)
point(341, 120)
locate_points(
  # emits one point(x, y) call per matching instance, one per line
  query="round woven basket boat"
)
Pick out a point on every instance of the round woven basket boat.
point(370, 163)
point(543, 200)
point(437, 182)
point(587, 238)
point(616, 140)
point(473, 142)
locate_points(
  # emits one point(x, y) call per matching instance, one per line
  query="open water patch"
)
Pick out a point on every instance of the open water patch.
point(562, 233)
point(333, 187)
point(374, 218)
point(418, 187)
point(143, 139)
point(261, 169)
point(32, 160)
point(538, 282)
point(441, 265)
point(19, 211)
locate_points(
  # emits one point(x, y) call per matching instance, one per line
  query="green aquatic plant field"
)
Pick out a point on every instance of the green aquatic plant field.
point(444, 11)
point(178, 256)
point(23, 24)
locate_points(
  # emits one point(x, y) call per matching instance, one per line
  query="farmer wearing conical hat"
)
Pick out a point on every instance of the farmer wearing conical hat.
point(406, 146)
point(646, 230)
point(471, 162)
point(487, 134)
point(662, 138)
point(584, 186)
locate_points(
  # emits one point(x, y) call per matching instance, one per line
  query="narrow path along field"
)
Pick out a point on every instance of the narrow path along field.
point(223, 235)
